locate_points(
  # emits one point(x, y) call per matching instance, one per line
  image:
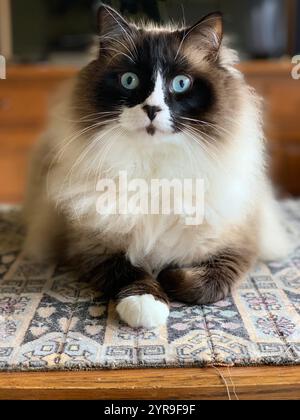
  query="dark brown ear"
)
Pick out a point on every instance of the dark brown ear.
point(207, 33)
point(110, 22)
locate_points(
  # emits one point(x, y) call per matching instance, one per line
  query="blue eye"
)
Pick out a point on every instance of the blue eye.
point(181, 84)
point(130, 81)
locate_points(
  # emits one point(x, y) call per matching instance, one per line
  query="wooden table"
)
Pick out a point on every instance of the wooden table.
point(271, 383)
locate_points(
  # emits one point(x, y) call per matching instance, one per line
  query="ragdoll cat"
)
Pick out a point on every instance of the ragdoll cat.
point(157, 103)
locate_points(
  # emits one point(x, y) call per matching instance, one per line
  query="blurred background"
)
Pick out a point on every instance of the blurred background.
point(45, 42)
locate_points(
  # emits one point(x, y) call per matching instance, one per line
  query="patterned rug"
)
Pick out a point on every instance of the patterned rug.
point(51, 320)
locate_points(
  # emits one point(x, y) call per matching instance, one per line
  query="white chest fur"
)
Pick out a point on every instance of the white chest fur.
point(230, 187)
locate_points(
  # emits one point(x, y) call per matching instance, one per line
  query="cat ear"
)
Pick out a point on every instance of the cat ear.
point(208, 32)
point(110, 22)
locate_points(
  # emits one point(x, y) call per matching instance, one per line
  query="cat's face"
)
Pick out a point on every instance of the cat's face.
point(156, 88)
point(157, 81)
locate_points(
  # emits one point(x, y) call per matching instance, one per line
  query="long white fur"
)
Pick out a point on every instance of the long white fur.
point(234, 177)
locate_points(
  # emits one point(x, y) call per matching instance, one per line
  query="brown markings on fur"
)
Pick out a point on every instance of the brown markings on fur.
point(229, 94)
point(146, 285)
point(206, 36)
point(82, 94)
point(209, 282)
point(212, 280)
point(228, 91)
point(112, 274)
point(117, 278)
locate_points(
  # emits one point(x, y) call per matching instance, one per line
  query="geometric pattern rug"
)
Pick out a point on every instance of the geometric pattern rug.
point(52, 320)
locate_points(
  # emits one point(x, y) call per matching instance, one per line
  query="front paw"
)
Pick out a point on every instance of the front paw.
point(143, 311)
point(196, 285)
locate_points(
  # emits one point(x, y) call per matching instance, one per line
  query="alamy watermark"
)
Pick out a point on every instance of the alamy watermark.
point(2, 67)
point(179, 197)
point(296, 68)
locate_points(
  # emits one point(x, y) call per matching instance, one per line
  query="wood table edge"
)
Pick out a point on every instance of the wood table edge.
point(252, 383)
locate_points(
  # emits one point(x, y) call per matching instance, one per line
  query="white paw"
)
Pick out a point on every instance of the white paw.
point(143, 311)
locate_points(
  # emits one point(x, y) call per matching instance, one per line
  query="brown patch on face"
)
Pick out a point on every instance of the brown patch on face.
point(209, 282)
point(208, 113)
point(85, 112)
point(151, 130)
point(228, 93)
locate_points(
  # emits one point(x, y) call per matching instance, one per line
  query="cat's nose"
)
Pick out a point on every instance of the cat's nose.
point(151, 111)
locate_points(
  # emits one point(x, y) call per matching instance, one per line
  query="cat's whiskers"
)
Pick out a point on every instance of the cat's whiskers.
point(95, 142)
point(126, 33)
point(61, 150)
point(234, 122)
point(60, 153)
point(89, 148)
point(197, 131)
point(201, 141)
point(183, 16)
point(99, 114)
point(119, 53)
point(78, 108)
point(102, 153)
point(99, 172)
point(113, 40)
point(210, 147)
point(194, 164)
point(107, 147)
point(78, 134)
point(94, 117)
point(203, 146)
point(256, 125)
point(216, 127)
